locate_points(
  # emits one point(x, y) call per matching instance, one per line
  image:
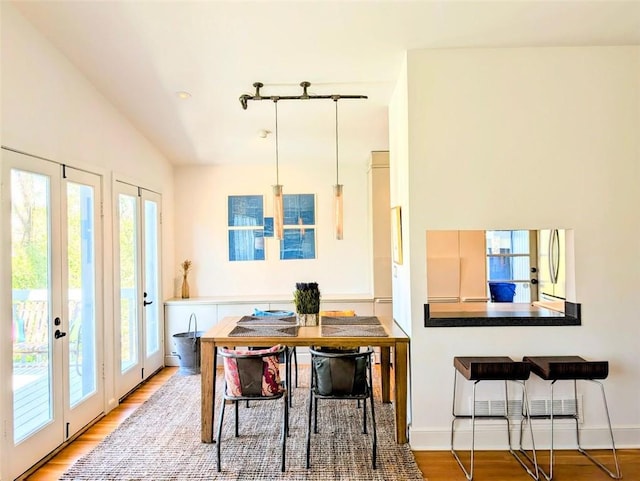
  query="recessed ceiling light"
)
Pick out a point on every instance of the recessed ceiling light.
point(183, 94)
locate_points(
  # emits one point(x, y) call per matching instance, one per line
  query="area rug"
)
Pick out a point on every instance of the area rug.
point(161, 441)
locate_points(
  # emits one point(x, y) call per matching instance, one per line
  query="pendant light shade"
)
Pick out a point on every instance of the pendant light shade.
point(278, 204)
point(278, 212)
point(337, 189)
point(337, 209)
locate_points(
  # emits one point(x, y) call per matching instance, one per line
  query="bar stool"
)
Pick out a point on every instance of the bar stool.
point(500, 368)
point(573, 368)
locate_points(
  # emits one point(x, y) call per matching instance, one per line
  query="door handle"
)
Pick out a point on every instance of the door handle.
point(58, 334)
point(145, 303)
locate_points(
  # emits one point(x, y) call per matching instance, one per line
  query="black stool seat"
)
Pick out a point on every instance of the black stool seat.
point(552, 368)
point(492, 368)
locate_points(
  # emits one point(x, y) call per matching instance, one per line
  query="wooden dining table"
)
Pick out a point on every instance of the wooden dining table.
point(396, 343)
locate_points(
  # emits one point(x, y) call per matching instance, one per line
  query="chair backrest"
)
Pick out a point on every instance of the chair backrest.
point(252, 373)
point(339, 374)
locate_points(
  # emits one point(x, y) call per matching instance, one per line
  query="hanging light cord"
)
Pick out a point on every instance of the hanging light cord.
point(275, 102)
point(336, 101)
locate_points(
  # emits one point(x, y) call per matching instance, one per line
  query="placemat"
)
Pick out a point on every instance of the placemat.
point(350, 320)
point(267, 321)
point(353, 331)
point(264, 331)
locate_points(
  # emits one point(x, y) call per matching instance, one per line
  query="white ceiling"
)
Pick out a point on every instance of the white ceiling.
point(140, 53)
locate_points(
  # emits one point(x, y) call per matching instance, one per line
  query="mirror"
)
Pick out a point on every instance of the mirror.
point(498, 266)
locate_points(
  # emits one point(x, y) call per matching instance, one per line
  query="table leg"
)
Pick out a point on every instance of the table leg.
point(208, 366)
point(385, 373)
point(400, 370)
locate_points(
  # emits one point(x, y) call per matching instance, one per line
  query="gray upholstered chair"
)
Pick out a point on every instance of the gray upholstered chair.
point(341, 375)
point(253, 376)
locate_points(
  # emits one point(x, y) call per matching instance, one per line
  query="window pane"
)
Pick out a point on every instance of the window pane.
point(507, 242)
point(82, 291)
point(151, 276)
point(31, 299)
point(128, 223)
point(508, 268)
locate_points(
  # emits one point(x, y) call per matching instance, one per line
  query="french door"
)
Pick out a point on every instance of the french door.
point(139, 328)
point(52, 261)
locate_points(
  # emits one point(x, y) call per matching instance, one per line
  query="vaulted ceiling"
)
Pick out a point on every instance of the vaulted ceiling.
point(139, 54)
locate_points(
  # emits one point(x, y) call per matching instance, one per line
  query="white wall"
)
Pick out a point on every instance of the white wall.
point(530, 138)
point(50, 110)
point(341, 267)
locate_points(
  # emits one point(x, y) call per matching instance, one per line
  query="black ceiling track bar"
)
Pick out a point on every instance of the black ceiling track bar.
point(244, 99)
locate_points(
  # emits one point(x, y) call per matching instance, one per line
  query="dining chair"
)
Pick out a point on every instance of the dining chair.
point(292, 353)
point(341, 375)
point(253, 376)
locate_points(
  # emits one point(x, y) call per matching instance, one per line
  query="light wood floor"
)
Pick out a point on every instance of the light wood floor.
point(435, 465)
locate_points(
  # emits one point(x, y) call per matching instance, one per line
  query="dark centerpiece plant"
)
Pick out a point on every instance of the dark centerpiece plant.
point(306, 299)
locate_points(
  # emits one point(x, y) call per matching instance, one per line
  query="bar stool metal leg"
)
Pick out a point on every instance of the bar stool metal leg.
point(573, 368)
point(468, 474)
point(617, 474)
point(531, 471)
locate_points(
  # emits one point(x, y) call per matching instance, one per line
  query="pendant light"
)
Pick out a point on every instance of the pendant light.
point(337, 188)
point(278, 204)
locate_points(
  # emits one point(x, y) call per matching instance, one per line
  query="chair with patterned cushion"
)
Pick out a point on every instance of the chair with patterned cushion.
point(292, 354)
point(342, 376)
point(253, 376)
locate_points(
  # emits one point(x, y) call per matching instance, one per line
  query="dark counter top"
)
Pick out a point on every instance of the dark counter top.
point(507, 314)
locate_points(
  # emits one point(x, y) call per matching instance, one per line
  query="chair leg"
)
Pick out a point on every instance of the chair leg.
point(219, 434)
point(375, 433)
point(364, 416)
point(309, 429)
point(285, 432)
point(617, 474)
point(315, 417)
point(295, 360)
point(237, 404)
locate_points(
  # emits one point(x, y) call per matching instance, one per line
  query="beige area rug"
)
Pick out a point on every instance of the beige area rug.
point(161, 441)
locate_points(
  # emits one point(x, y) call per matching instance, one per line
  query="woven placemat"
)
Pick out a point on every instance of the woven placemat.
point(353, 331)
point(264, 331)
point(350, 320)
point(267, 321)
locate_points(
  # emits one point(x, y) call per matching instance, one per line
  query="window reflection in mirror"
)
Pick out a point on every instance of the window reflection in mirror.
point(508, 266)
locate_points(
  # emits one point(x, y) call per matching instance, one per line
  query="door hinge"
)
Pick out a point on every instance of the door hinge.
point(101, 209)
point(5, 431)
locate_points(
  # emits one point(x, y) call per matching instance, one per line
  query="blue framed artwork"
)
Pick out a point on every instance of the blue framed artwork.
point(299, 227)
point(298, 244)
point(245, 220)
point(268, 226)
point(245, 210)
point(246, 245)
point(299, 209)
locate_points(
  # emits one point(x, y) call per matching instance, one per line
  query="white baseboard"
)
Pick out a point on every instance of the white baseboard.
point(493, 437)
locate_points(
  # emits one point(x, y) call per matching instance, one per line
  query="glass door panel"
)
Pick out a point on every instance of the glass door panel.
point(81, 294)
point(128, 243)
point(151, 277)
point(33, 399)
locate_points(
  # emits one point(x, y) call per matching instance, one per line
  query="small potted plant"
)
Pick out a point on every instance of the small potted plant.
point(306, 298)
